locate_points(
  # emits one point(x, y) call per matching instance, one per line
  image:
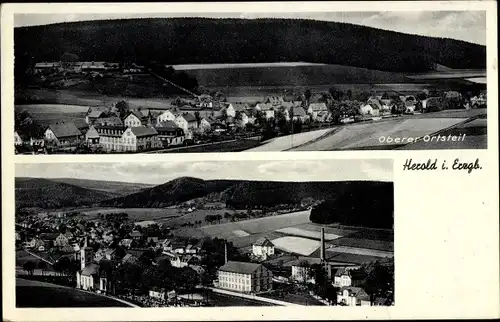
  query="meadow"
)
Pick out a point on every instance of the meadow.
point(135, 214)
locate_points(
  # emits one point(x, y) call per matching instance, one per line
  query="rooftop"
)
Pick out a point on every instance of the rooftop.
point(239, 267)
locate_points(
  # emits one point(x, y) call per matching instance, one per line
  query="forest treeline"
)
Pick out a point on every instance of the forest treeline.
point(204, 40)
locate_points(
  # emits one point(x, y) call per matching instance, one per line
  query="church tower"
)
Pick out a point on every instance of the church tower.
point(86, 255)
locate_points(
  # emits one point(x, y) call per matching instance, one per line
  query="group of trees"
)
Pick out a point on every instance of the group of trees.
point(26, 125)
point(181, 79)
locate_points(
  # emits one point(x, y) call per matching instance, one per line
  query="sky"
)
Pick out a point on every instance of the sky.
point(462, 25)
point(161, 172)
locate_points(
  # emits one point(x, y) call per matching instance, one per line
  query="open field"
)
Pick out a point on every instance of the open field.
point(299, 74)
point(260, 225)
point(297, 245)
point(362, 135)
point(360, 242)
point(135, 214)
point(291, 141)
point(40, 294)
point(294, 231)
point(362, 251)
point(475, 137)
point(49, 113)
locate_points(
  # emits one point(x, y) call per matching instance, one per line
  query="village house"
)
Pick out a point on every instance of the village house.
point(110, 121)
point(204, 125)
point(134, 119)
point(316, 109)
point(93, 114)
point(165, 116)
point(301, 272)
point(348, 277)
point(61, 240)
point(298, 113)
point(370, 109)
point(186, 121)
point(274, 100)
point(267, 108)
point(17, 139)
point(46, 67)
point(127, 242)
point(136, 235)
point(263, 247)
point(169, 134)
point(63, 134)
point(230, 110)
point(122, 139)
point(245, 277)
point(36, 244)
point(353, 296)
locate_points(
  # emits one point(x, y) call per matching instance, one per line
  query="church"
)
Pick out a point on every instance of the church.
point(91, 276)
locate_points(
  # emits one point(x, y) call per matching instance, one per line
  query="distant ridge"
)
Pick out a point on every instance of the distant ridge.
point(204, 40)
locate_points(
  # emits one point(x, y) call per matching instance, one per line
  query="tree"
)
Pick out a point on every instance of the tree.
point(307, 95)
point(29, 267)
point(123, 108)
point(198, 118)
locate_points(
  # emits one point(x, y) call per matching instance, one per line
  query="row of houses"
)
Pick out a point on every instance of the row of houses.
point(84, 67)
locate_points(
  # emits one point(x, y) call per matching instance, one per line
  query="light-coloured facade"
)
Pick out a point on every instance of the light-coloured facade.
point(353, 296)
point(132, 120)
point(245, 277)
point(165, 116)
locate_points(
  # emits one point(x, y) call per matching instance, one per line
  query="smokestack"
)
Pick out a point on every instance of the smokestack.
point(225, 252)
point(322, 255)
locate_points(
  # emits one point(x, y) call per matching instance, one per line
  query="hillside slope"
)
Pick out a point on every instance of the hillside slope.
point(114, 187)
point(43, 193)
point(240, 194)
point(204, 40)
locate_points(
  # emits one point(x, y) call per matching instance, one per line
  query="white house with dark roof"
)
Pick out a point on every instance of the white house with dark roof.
point(245, 277)
point(170, 134)
point(263, 247)
point(135, 119)
point(186, 121)
point(267, 108)
point(63, 133)
point(353, 296)
point(165, 116)
point(315, 109)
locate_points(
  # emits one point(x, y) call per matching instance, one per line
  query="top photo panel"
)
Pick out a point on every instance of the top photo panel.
point(232, 82)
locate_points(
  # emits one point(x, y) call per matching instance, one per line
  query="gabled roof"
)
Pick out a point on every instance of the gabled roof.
point(112, 120)
point(297, 111)
point(357, 292)
point(135, 233)
point(263, 241)
point(318, 106)
point(265, 106)
point(239, 267)
point(141, 131)
point(375, 103)
point(275, 100)
point(64, 129)
point(95, 113)
point(240, 107)
point(188, 117)
point(137, 114)
point(166, 126)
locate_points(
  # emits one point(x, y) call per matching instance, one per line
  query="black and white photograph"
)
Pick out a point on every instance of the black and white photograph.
point(96, 83)
point(201, 234)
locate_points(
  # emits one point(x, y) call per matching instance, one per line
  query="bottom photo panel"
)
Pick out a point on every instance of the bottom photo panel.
point(210, 233)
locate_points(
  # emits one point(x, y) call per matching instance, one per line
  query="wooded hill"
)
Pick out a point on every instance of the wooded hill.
point(204, 40)
point(44, 193)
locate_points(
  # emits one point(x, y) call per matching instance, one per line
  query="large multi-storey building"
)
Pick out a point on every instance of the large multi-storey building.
point(123, 139)
point(245, 277)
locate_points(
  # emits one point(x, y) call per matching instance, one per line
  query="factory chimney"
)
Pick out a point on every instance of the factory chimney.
point(322, 255)
point(225, 252)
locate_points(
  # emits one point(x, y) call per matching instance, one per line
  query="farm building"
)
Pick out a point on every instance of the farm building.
point(348, 277)
point(63, 133)
point(165, 116)
point(245, 277)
